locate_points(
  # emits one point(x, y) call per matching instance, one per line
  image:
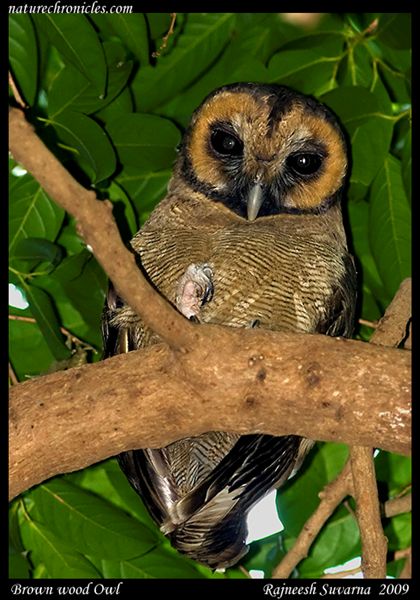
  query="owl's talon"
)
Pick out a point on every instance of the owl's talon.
point(195, 288)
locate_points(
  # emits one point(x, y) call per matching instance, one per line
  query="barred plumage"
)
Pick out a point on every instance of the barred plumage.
point(257, 202)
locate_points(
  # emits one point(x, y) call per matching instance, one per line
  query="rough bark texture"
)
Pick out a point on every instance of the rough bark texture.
point(233, 380)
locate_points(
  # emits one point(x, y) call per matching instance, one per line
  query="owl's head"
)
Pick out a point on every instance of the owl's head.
point(263, 150)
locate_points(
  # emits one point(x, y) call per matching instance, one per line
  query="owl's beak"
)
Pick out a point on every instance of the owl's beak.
point(254, 201)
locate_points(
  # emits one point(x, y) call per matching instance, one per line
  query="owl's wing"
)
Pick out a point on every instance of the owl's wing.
point(340, 309)
point(247, 471)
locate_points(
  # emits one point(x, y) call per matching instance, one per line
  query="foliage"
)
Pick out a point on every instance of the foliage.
point(113, 113)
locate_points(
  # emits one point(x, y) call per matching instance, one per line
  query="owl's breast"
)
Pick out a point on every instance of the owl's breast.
point(280, 279)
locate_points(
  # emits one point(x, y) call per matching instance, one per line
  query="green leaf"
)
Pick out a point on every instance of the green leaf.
point(337, 543)
point(390, 225)
point(199, 43)
point(23, 55)
point(132, 31)
point(108, 481)
point(399, 532)
point(370, 130)
point(28, 350)
point(264, 555)
point(395, 471)
point(394, 30)
point(121, 105)
point(146, 142)
point(354, 105)
point(38, 249)
point(145, 190)
point(158, 24)
point(46, 318)
point(19, 566)
point(88, 142)
point(368, 274)
point(406, 165)
point(358, 67)
point(311, 70)
point(76, 40)
point(78, 287)
point(61, 559)
point(123, 211)
point(14, 532)
point(90, 524)
point(299, 498)
point(72, 90)
point(157, 564)
point(397, 83)
point(31, 214)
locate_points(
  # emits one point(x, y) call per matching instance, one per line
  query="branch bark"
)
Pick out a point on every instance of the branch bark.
point(252, 381)
point(99, 231)
point(331, 496)
point(374, 543)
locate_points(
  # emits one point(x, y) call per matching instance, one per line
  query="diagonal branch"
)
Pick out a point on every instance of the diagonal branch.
point(331, 497)
point(100, 232)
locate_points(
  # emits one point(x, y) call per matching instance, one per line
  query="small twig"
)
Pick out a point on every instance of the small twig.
point(166, 37)
point(406, 570)
point(12, 375)
point(349, 508)
point(371, 28)
point(371, 324)
point(374, 543)
point(245, 571)
point(75, 340)
point(403, 492)
point(392, 328)
point(397, 506)
point(398, 554)
point(342, 574)
point(331, 496)
point(16, 93)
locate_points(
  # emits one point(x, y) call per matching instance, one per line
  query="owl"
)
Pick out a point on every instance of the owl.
point(250, 234)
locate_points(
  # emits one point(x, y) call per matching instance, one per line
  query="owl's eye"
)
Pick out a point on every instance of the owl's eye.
point(226, 143)
point(304, 164)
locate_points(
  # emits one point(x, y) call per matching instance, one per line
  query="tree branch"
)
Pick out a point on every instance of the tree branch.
point(240, 387)
point(331, 496)
point(363, 485)
point(374, 543)
point(397, 506)
point(100, 232)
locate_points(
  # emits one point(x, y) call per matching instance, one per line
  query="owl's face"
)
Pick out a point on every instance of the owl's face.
point(263, 150)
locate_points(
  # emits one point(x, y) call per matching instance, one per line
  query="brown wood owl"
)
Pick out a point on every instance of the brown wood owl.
point(249, 234)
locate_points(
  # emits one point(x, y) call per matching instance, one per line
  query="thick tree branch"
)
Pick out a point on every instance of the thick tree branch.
point(374, 543)
point(74, 418)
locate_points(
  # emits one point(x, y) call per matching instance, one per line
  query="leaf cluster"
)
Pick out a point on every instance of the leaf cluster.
point(112, 104)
